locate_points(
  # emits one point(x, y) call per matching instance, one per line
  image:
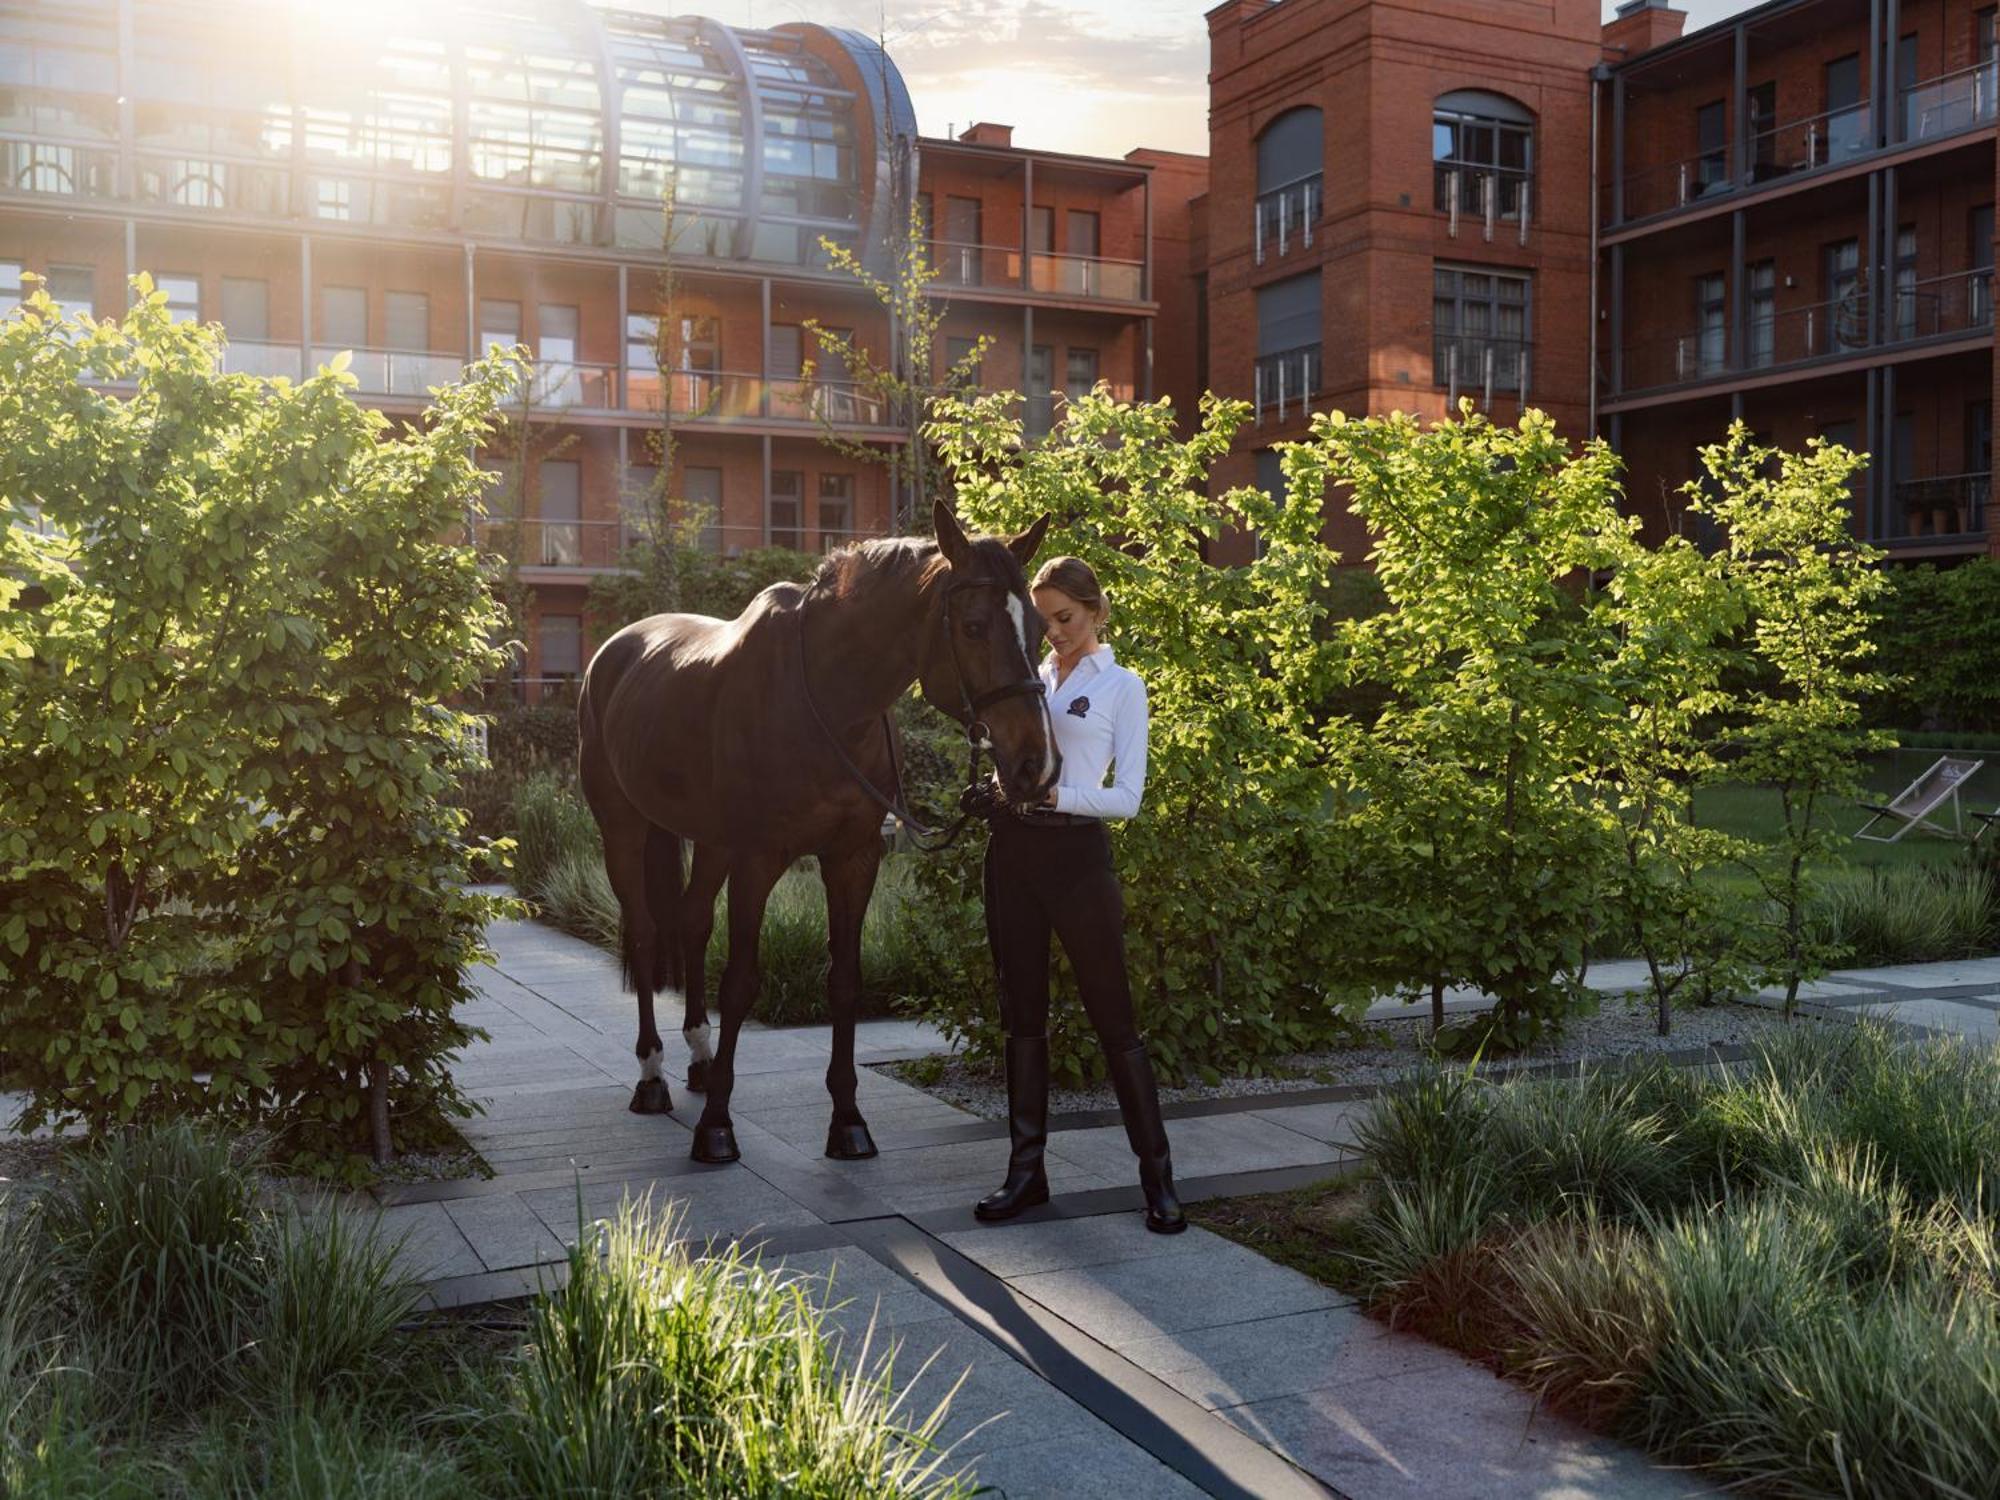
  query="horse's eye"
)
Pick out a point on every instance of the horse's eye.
point(975, 630)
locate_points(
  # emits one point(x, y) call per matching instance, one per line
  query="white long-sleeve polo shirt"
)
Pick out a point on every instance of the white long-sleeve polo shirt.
point(1100, 719)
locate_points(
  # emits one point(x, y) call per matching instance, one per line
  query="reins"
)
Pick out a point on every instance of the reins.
point(978, 738)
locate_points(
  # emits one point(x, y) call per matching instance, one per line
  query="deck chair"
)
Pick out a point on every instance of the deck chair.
point(1912, 807)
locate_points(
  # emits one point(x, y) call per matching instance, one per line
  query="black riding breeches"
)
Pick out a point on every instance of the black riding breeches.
point(1058, 879)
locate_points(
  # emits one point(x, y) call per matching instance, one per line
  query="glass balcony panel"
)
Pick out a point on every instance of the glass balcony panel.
point(249, 357)
point(1956, 101)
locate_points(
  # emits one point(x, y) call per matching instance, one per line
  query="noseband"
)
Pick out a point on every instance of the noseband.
point(978, 737)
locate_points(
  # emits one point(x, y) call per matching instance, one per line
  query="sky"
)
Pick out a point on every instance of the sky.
point(1091, 76)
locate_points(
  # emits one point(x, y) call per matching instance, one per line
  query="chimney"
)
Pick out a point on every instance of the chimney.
point(986, 133)
point(1640, 26)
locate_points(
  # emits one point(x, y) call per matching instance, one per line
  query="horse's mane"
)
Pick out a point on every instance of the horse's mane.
point(882, 560)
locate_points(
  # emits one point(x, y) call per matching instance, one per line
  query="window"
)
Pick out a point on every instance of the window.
point(1979, 439)
point(344, 317)
point(1845, 328)
point(1288, 345)
point(333, 198)
point(562, 646)
point(183, 297)
point(1711, 134)
point(1711, 301)
point(246, 308)
point(1764, 131)
point(1985, 40)
point(1763, 312)
point(1907, 322)
point(561, 510)
point(1080, 373)
point(1291, 162)
point(1846, 116)
point(1040, 414)
point(1080, 232)
point(1480, 326)
point(499, 323)
point(787, 356)
point(959, 252)
point(782, 523)
point(642, 341)
point(635, 503)
point(1482, 150)
point(10, 283)
point(836, 510)
point(409, 321)
point(556, 327)
point(1041, 230)
point(1271, 480)
point(1979, 290)
point(73, 289)
point(701, 491)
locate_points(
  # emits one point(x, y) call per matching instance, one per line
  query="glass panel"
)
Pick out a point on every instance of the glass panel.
point(183, 296)
point(1288, 314)
point(499, 323)
point(73, 289)
point(561, 504)
point(1081, 374)
point(787, 490)
point(10, 282)
point(1042, 230)
point(1080, 231)
point(246, 308)
point(787, 355)
point(836, 509)
point(556, 327)
point(1291, 147)
point(562, 645)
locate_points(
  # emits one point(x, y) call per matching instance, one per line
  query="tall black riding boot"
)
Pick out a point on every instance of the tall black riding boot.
point(1139, 1102)
point(1027, 1126)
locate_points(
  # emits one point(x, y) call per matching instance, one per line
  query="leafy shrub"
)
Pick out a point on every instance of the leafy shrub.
point(229, 882)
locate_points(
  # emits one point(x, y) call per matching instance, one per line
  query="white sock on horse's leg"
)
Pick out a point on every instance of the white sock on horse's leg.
point(697, 1041)
point(649, 1065)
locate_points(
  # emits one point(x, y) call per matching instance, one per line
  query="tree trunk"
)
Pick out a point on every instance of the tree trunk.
point(383, 1148)
point(1437, 1006)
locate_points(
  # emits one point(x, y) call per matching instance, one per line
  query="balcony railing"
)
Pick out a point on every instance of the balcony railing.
point(1951, 102)
point(1286, 217)
point(1490, 197)
point(1481, 365)
point(732, 396)
point(1803, 145)
point(394, 372)
point(537, 543)
point(1286, 382)
point(961, 264)
point(1949, 505)
point(245, 357)
point(1940, 307)
point(570, 386)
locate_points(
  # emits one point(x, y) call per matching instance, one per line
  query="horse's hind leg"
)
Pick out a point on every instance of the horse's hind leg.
point(626, 837)
point(849, 881)
point(751, 877)
point(697, 921)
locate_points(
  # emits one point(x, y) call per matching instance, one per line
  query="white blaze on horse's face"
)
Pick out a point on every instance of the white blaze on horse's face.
point(1020, 619)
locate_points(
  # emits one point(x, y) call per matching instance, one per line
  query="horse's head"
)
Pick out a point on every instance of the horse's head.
point(981, 665)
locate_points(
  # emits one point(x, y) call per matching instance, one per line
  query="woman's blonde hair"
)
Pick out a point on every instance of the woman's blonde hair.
point(1075, 577)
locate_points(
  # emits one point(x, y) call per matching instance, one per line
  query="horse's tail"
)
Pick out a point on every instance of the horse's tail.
point(666, 880)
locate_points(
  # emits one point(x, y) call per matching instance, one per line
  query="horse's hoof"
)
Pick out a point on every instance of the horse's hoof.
point(715, 1143)
point(651, 1097)
point(698, 1076)
point(849, 1142)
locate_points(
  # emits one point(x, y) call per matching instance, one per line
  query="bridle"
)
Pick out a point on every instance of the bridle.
point(978, 737)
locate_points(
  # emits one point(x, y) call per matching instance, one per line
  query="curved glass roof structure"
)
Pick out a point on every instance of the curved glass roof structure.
point(548, 122)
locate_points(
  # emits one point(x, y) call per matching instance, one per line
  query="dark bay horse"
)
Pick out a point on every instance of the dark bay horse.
point(751, 740)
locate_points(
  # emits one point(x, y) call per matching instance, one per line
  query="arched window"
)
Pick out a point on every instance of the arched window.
point(1291, 155)
point(1483, 155)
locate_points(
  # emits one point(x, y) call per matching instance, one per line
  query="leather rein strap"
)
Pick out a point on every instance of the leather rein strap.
point(978, 737)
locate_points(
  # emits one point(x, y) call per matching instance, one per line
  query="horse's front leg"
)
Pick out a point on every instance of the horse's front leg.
point(711, 867)
point(751, 877)
point(849, 881)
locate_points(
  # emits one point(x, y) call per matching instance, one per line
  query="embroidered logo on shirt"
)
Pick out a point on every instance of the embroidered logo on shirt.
point(1079, 707)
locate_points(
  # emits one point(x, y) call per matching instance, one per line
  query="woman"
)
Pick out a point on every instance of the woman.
point(1049, 870)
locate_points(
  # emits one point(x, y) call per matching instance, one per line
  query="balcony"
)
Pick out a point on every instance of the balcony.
point(1482, 366)
point(1945, 507)
point(730, 396)
point(1496, 199)
point(1096, 278)
point(586, 546)
point(1285, 217)
point(1941, 308)
point(1285, 383)
point(394, 372)
point(565, 385)
point(244, 357)
point(1951, 103)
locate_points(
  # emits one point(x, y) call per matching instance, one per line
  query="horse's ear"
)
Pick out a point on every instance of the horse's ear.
point(951, 536)
point(1024, 546)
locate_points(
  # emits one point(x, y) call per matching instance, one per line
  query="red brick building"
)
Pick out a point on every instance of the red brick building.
point(1395, 219)
point(416, 185)
point(1796, 220)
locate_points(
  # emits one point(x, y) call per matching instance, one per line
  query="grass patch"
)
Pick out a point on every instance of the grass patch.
point(1787, 1275)
point(165, 1333)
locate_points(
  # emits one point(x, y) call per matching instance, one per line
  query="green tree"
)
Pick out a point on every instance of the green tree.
point(228, 881)
point(1810, 593)
point(1235, 887)
point(1495, 657)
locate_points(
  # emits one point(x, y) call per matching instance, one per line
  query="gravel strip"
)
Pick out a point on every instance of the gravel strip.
point(1390, 1049)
